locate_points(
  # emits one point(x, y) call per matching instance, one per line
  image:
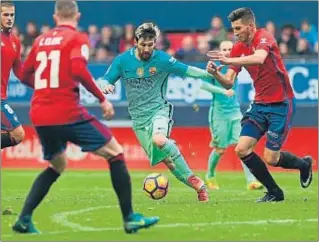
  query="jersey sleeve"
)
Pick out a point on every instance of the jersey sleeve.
point(171, 65)
point(235, 52)
point(113, 73)
point(80, 47)
point(264, 41)
point(17, 65)
point(27, 70)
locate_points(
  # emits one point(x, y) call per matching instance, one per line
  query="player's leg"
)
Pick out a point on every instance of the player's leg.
point(95, 137)
point(214, 159)
point(112, 151)
point(170, 165)
point(220, 130)
point(254, 125)
point(12, 133)
point(53, 148)
point(155, 155)
point(280, 124)
point(161, 130)
point(252, 182)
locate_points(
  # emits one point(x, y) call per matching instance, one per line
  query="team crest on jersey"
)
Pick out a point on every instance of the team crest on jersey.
point(263, 41)
point(152, 70)
point(140, 72)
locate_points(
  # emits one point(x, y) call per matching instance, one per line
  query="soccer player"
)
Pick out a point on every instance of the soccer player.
point(224, 119)
point(144, 72)
point(12, 132)
point(56, 65)
point(273, 106)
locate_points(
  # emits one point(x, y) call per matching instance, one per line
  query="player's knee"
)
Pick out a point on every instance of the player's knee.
point(159, 140)
point(116, 158)
point(108, 153)
point(59, 164)
point(59, 168)
point(115, 151)
point(271, 158)
point(18, 134)
point(220, 151)
point(109, 150)
point(242, 150)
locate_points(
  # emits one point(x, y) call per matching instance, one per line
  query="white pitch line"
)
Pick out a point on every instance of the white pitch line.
point(62, 218)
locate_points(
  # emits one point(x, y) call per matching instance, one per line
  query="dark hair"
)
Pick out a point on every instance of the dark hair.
point(7, 3)
point(66, 8)
point(245, 14)
point(147, 31)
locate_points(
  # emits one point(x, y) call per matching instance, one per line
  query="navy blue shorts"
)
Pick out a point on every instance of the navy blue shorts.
point(90, 135)
point(9, 119)
point(273, 119)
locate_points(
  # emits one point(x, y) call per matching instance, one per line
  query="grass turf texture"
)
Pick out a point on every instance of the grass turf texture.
point(82, 206)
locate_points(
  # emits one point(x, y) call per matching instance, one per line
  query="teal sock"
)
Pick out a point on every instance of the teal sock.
point(180, 164)
point(179, 176)
point(249, 176)
point(214, 158)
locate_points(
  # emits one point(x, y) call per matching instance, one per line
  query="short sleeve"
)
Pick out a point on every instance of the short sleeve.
point(235, 52)
point(113, 73)
point(171, 65)
point(264, 41)
point(80, 47)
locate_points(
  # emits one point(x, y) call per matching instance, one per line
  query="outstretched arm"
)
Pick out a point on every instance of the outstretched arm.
point(205, 85)
point(258, 58)
point(113, 73)
point(226, 80)
point(214, 89)
point(110, 77)
point(180, 69)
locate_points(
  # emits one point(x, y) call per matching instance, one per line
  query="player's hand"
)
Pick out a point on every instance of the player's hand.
point(218, 56)
point(229, 92)
point(108, 89)
point(107, 109)
point(212, 68)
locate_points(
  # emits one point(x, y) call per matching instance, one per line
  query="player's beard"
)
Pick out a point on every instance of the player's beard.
point(243, 38)
point(146, 56)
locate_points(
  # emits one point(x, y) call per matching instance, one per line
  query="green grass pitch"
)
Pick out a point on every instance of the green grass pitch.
point(82, 206)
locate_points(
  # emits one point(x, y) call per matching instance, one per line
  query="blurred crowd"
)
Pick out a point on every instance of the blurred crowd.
point(108, 41)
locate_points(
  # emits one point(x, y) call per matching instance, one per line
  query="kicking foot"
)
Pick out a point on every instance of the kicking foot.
point(199, 185)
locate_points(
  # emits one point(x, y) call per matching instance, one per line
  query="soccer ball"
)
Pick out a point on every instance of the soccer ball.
point(156, 186)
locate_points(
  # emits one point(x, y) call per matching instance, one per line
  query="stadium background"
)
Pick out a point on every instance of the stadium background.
point(187, 34)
